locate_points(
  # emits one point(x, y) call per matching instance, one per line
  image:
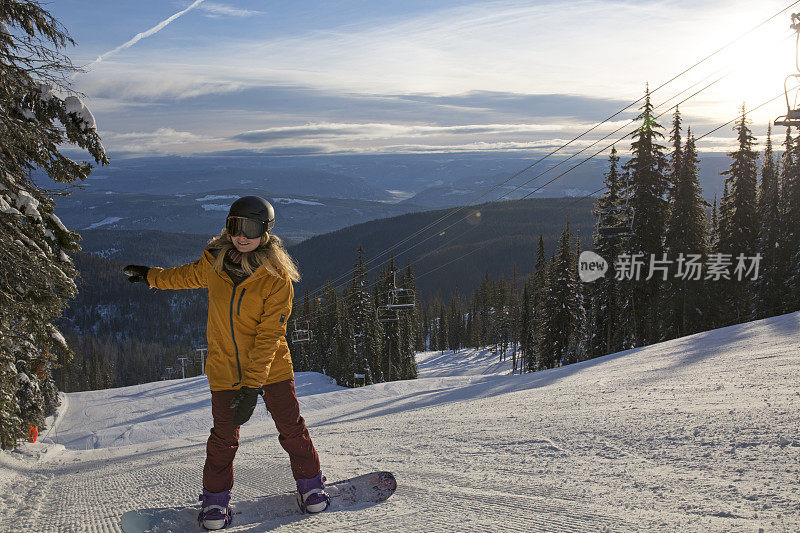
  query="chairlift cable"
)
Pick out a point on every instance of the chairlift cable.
point(516, 174)
point(450, 213)
point(579, 164)
point(738, 117)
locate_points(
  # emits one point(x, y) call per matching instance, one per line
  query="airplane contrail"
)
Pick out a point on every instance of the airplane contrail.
point(139, 36)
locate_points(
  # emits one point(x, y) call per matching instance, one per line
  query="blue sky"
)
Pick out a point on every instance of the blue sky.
point(352, 76)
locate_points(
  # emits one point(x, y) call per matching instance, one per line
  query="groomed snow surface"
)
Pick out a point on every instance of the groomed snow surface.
point(696, 434)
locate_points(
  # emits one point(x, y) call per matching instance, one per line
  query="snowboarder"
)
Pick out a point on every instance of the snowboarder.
point(249, 275)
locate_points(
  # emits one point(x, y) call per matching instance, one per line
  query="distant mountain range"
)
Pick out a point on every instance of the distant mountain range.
point(314, 195)
point(296, 217)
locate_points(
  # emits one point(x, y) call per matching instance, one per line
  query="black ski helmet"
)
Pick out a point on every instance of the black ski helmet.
point(256, 208)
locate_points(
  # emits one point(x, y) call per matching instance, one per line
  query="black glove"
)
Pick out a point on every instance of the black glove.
point(136, 273)
point(244, 403)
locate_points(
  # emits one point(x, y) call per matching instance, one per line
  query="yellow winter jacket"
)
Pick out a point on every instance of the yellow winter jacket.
point(246, 327)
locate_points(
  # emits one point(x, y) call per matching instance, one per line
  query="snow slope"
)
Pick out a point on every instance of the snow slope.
point(696, 434)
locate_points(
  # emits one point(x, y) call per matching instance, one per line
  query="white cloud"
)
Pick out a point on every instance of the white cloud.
point(372, 131)
point(377, 131)
point(162, 140)
point(123, 81)
point(603, 49)
point(584, 47)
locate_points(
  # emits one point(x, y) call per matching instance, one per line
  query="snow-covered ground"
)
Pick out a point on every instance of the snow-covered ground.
point(696, 434)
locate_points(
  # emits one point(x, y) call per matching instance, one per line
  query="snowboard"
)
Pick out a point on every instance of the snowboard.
point(361, 491)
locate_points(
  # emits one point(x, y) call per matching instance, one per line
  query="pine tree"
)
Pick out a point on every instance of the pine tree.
point(562, 325)
point(538, 301)
point(676, 155)
point(443, 331)
point(605, 336)
point(514, 318)
point(791, 227)
point(713, 240)
point(408, 332)
point(361, 312)
point(455, 321)
point(686, 238)
point(301, 356)
point(769, 293)
point(741, 223)
point(344, 357)
point(36, 275)
point(327, 330)
point(391, 339)
point(789, 174)
point(649, 186)
point(501, 320)
point(719, 294)
point(527, 352)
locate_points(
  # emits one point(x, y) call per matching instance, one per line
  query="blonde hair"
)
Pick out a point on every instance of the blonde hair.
point(271, 253)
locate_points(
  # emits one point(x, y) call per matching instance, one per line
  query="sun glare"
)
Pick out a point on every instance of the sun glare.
point(755, 69)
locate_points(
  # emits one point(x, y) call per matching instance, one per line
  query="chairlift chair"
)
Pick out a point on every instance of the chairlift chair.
point(399, 298)
point(386, 314)
point(792, 116)
point(620, 229)
point(301, 335)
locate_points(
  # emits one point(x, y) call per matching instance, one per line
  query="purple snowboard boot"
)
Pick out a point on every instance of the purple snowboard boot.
point(215, 513)
point(312, 497)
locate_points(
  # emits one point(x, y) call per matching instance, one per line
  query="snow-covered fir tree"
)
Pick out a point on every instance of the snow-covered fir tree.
point(769, 283)
point(713, 227)
point(390, 340)
point(501, 323)
point(538, 289)
point(408, 328)
point(740, 232)
point(443, 333)
point(455, 320)
point(684, 294)
point(300, 349)
point(605, 336)
point(38, 116)
point(718, 298)
point(676, 155)
point(561, 328)
point(326, 327)
point(514, 318)
point(790, 193)
point(526, 325)
point(787, 169)
point(366, 334)
point(648, 186)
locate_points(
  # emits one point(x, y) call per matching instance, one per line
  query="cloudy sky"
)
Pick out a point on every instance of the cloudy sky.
point(357, 76)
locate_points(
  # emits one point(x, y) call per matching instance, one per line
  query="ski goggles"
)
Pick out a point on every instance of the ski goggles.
point(252, 229)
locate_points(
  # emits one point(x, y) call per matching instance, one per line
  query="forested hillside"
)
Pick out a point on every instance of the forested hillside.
point(504, 234)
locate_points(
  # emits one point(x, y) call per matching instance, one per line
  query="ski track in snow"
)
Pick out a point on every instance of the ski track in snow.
point(695, 434)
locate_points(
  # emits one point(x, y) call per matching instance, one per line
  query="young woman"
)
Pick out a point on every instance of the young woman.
point(249, 276)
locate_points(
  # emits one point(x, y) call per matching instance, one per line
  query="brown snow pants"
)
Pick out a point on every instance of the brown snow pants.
point(281, 401)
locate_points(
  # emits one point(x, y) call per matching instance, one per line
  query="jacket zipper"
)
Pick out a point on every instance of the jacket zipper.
point(239, 304)
point(233, 337)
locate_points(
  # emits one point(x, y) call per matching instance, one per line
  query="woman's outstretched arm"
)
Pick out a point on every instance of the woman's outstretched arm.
point(192, 275)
